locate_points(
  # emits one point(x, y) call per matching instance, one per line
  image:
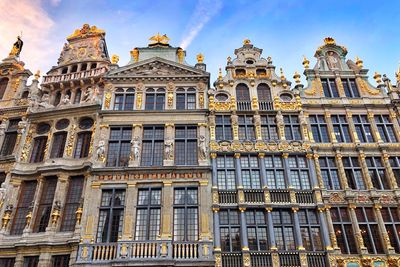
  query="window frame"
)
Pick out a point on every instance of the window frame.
point(230, 226)
point(226, 171)
point(342, 226)
point(155, 142)
point(190, 154)
point(331, 180)
point(300, 170)
point(246, 127)
point(351, 169)
point(376, 167)
point(187, 94)
point(309, 225)
point(39, 147)
point(121, 155)
point(369, 227)
point(255, 224)
point(223, 127)
point(385, 128)
point(155, 104)
point(319, 128)
point(186, 207)
point(329, 88)
point(10, 138)
point(149, 207)
point(350, 87)
point(253, 182)
point(45, 204)
point(282, 225)
point(363, 128)
point(72, 203)
point(269, 128)
point(124, 93)
point(58, 145)
point(292, 127)
point(341, 129)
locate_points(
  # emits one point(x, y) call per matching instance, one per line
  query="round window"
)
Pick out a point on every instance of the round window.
point(42, 128)
point(286, 97)
point(221, 97)
point(85, 123)
point(249, 61)
point(62, 124)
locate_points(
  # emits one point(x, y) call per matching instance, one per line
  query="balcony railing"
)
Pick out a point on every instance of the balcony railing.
point(265, 105)
point(75, 75)
point(316, 259)
point(280, 196)
point(123, 251)
point(232, 260)
point(305, 197)
point(253, 196)
point(243, 105)
point(288, 259)
point(227, 197)
point(261, 259)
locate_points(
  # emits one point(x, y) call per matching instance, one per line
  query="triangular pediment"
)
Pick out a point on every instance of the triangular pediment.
point(155, 67)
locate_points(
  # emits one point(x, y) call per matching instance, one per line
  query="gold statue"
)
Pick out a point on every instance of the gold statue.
point(158, 39)
point(114, 59)
point(135, 54)
point(17, 47)
point(200, 58)
point(306, 62)
point(181, 55)
point(359, 62)
point(246, 42)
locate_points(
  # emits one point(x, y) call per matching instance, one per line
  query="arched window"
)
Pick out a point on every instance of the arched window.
point(155, 100)
point(39, 143)
point(264, 92)
point(242, 92)
point(124, 99)
point(78, 96)
point(186, 99)
point(84, 138)
point(57, 99)
point(3, 86)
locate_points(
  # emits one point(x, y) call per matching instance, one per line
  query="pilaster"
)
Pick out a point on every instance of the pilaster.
point(365, 171)
point(130, 208)
point(58, 202)
point(342, 173)
point(375, 132)
point(329, 124)
point(136, 145)
point(169, 145)
point(389, 171)
point(382, 228)
point(167, 211)
point(352, 127)
point(297, 231)
point(205, 216)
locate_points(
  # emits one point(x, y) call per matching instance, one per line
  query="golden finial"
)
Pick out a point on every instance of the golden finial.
point(306, 62)
point(398, 74)
point(229, 59)
point(282, 75)
point(220, 74)
point(329, 41)
point(246, 42)
point(200, 58)
point(158, 39)
point(114, 59)
point(359, 62)
point(37, 75)
point(377, 78)
point(296, 77)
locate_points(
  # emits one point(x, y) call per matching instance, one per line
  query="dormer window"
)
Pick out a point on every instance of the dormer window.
point(330, 88)
point(350, 88)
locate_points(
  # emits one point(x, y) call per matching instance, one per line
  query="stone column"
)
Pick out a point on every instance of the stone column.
point(365, 172)
point(167, 211)
point(48, 143)
point(91, 207)
point(389, 171)
point(136, 145)
point(211, 123)
point(374, 129)
point(331, 230)
point(303, 124)
point(59, 198)
point(297, 232)
point(130, 211)
point(214, 169)
point(318, 171)
point(263, 173)
point(139, 96)
point(103, 137)
point(329, 124)
point(202, 144)
point(169, 146)
point(356, 229)
point(19, 260)
point(339, 85)
point(342, 173)
point(324, 228)
point(257, 124)
point(235, 127)
point(45, 259)
point(217, 239)
point(352, 127)
point(244, 238)
point(12, 194)
point(71, 136)
point(238, 174)
point(204, 210)
point(312, 168)
point(285, 157)
point(382, 229)
point(271, 234)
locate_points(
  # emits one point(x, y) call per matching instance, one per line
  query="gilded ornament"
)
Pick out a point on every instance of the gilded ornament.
point(70, 143)
point(254, 103)
point(78, 214)
point(17, 47)
point(107, 100)
point(303, 259)
point(159, 39)
point(86, 31)
point(27, 146)
point(296, 77)
point(246, 42)
point(246, 260)
point(135, 55)
point(306, 62)
point(114, 59)
point(200, 58)
point(201, 100)
point(359, 62)
point(329, 41)
point(37, 75)
point(218, 260)
point(181, 55)
point(139, 101)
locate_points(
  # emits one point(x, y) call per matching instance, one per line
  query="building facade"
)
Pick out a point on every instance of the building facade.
point(147, 165)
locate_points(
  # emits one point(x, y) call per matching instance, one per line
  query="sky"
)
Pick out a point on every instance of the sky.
point(285, 30)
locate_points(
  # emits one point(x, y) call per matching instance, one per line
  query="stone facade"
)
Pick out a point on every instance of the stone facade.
point(146, 165)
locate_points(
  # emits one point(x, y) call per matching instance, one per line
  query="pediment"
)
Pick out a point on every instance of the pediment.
point(155, 67)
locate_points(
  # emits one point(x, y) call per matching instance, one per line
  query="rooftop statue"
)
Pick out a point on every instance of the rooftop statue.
point(17, 47)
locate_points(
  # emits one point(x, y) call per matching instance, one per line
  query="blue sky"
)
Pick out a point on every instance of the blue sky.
point(285, 30)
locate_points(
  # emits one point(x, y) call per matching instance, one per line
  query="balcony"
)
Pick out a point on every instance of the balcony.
point(243, 105)
point(265, 105)
point(136, 252)
point(74, 76)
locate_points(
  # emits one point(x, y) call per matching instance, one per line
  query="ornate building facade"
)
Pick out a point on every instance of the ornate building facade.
point(146, 165)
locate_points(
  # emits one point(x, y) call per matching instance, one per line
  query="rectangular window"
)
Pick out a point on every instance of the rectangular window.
point(153, 146)
point(250, 172)
point(124, 101)
point(256, 221)
point(299, 172)
point(7, 262)
point(148, 214)
point(343, 228)
point(246, 127)
point(377, 172)
point(31, 261)
point(223, 127)
point(329, 87)
point(27, 193)
point(155, 101)
point(83, 145)
point(354, 175)
point(185, 100)
point(186, 145)
point(395, 164)
point(119, 146)
point(350, 88)
point(385, 128)
point(226, 172)
point(310, 230)
point(60, 261)
point(72, 202)
point(392, 224)
point(369, 230)
point(57, 149)
point(283, 229)
point(111, 215)
point(363, 128)
point(341, 128)
point(186, 214)
point(275, 172)
point(230, 230)
point(10, 138)
point(45, 204)
point(269, 129)
point(329, 173)
point(39, 146)
point(292, 127)
point(319, 128)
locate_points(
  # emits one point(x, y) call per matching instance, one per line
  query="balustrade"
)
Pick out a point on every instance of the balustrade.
point(316, 259)
point(74, 76)
point(280, 196)
point(253, 196)
point(243, 105)
point(261, 259)
point(227, 197)
point(305, 197)
point(265, 105)
point(289, 259)
point(232, 260)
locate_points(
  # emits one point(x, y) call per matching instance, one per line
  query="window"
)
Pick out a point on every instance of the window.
point(292, 127)
point(45, 204)
point(10, 138)
point(385, 128)
point(395, 164)
point(329, 173)
point(256, 221)
point(319, 128)
point(3, 177)
point(119, 146)
point(31, 261)
point(392, 224)
point(7, 262)
point(299, 173)
point(283, 229)
point(72, 202)
point(153, 146)
point(363, 128)
point(223, 127)
point(329, 87)
point(148, 214)
point(242, 92)
point(229, 230)
point(350, 88)
point(62, 124)
point(186, 214)
point(185, 99)
point(186, 145)
point(83, 145)
point(268, 128)
point(60, 261)
point(57, 149)
point(246, 127)
point(124, 99)
point(57, 99)
point(3, 86)
point(377, 172)
point(39, 146)
point(354, 175)
point(26, 196)
point(310, 230)
point(111, 215)
point(341, 128)
point(250, 172)
point(275, 172)
point(155, 100)
point(369, 230)
point(264, 92)
point(343, 228)
point(78, 95)
point(226, 172)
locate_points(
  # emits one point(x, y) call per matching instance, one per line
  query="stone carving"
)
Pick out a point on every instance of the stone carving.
point(135, 149)
point(2, 194)
point(22, 125)
point(45, 102)
point(65, 101)
point(101, 150)
point(332, 60)
point(3, 128)
point(63, 53)
point(202, 147)
point(169, 149)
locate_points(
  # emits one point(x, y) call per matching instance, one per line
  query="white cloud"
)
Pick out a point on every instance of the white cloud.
point(30, 18)
point(205, 10)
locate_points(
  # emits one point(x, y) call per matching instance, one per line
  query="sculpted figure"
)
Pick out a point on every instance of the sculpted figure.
point(88, 95)
point(169, 149)
point(202, 147)
point(2, 128)
point(2, 193)
point(65, 101)
point(101, 150)
point(135, 148)
point(332, 60)
point(45, 102)
point(22, 125)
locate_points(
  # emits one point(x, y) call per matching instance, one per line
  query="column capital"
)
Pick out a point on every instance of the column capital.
point(285, 155)
point(213, 155)
point(310, 155)
point(269, 209)
point(237, 155)
point(295, 209)
point(261, 155)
